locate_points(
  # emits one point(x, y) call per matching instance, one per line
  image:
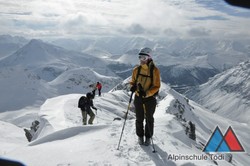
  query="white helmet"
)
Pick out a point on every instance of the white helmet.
point(146, 51)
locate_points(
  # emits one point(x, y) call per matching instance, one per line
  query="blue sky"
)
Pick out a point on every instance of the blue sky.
point(158, 18)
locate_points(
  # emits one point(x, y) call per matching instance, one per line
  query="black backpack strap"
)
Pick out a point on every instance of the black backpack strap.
point(152, 74)
point(152, 78)
point(137, 75)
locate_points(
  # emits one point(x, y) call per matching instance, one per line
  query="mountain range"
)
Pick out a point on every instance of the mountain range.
point(39, 70)
point(43, 81)
point(227, 94)
point(183, 62)
point(64, 66)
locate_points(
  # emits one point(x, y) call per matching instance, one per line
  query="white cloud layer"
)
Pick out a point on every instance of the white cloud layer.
point(171, 18)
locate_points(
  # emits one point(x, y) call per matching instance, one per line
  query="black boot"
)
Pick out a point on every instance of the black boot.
point(140, 140)
point(28, 135)
point(147, 141)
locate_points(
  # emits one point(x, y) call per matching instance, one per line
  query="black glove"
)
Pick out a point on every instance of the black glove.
point(141, 92)
point(133, 88)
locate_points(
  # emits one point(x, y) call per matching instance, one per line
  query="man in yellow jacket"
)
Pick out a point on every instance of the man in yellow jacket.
point(145, 83)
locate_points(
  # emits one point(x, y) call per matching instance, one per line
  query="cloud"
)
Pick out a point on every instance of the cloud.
point(210, 18)
point(16, 13)
point(106, 17)
point(136, 29)
point(195, 32)
point(169, 32)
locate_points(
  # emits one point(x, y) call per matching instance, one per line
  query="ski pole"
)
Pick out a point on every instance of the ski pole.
point(96, 116)
point(125, 119)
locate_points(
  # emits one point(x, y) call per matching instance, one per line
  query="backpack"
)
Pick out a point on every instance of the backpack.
point(151, 77)
point(83, 101)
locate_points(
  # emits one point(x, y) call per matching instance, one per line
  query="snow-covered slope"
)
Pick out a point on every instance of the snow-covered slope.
point(11, 137)
point(228, 93)
point(40, 70)
point(62, 140)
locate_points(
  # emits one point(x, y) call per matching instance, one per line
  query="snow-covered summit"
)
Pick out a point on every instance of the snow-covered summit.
point(38, 53)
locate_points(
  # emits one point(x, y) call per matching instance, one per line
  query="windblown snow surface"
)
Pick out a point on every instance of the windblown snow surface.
point(62, 140)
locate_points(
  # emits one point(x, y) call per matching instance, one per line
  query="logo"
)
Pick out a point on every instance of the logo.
point(227, 143)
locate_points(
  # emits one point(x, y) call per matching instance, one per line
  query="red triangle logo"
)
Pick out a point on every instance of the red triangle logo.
point(232, 141)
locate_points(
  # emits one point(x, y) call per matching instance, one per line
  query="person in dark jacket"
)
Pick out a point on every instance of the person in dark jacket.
point(33, 129)
point(145, 87)
point(85, 104)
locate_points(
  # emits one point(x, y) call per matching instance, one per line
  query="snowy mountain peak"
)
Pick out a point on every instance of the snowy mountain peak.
point(34, 53)
point(39, 49)
point(41, 45)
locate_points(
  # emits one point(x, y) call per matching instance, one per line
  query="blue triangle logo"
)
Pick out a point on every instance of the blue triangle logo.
point(214, 141)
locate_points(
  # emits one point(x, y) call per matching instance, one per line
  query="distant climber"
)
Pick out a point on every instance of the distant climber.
point(85, 103)
point(99, 87)
point(33, 128)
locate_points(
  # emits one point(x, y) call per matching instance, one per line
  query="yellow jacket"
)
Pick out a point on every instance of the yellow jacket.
point(145, 80)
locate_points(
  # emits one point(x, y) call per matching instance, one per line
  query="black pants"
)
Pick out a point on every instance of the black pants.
point(147, 114)
point(99, 92)
point(93, 92)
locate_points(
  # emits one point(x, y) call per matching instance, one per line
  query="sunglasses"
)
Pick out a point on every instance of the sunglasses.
point(143, 57)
